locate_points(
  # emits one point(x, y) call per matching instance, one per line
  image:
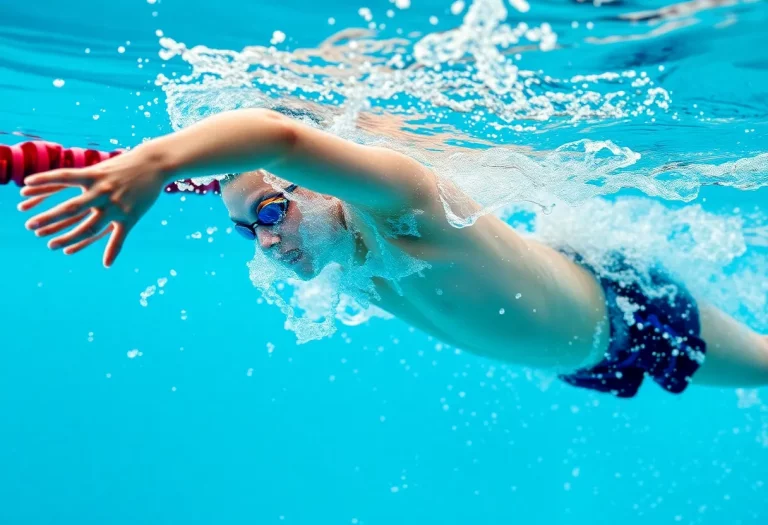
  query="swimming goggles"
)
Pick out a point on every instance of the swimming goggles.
point(270, 211)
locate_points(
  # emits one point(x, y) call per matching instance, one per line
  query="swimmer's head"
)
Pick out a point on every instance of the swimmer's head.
point(307, 234)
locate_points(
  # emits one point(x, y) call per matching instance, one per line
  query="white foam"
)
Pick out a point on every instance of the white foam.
point(573, 174)
point(468, 68)
point(714, 255)
point(339, 287)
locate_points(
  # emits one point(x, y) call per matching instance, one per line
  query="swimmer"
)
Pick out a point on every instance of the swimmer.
point(504, 296)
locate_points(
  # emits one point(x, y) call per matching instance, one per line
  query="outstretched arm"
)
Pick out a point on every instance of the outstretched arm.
point(736, 355)
point(245, 140)
point(117, 192)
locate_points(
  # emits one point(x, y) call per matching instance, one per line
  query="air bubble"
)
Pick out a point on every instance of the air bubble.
point(457, 7)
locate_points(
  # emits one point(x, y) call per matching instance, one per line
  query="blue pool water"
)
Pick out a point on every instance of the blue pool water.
point(194, 405)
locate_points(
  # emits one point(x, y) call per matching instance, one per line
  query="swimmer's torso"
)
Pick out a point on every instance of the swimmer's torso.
point(491, 292)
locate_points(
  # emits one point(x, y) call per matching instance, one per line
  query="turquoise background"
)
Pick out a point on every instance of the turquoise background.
point(287, 444)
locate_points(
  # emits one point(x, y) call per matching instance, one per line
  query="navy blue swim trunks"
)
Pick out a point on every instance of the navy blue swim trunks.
point(650, 336)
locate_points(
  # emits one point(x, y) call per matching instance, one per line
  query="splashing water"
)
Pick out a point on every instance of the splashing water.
point(450, 99)
point(574, 173)
point(717, 256)
point(331, 284)
point(470, 70)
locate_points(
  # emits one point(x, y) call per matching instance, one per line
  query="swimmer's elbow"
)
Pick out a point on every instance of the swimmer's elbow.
point(278, 127)
point(269, 132)
point(323, 162)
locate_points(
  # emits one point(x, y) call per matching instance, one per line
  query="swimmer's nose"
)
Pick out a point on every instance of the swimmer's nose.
point(267, 239)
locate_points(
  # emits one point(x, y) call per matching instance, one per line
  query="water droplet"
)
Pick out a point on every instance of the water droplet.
point(278, 37)
point(365, 13)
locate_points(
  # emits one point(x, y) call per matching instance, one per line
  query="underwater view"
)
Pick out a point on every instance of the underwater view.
point(407, 262)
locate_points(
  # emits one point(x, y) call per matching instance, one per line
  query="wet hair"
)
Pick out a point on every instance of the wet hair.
point(226, 179)
point(292, 112)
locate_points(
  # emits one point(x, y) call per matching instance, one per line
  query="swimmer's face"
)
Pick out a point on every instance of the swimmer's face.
point(284, 242)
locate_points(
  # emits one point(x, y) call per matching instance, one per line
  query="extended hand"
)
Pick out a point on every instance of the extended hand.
point(115, 195)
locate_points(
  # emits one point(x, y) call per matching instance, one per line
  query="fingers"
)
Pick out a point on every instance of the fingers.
point(67, 176)
point(90, 227)
point(38, 194)
point(115, 244)
point(58, 226)
point(69, 250)
point(45, 189)
point(66, 209)
point(30, 203)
